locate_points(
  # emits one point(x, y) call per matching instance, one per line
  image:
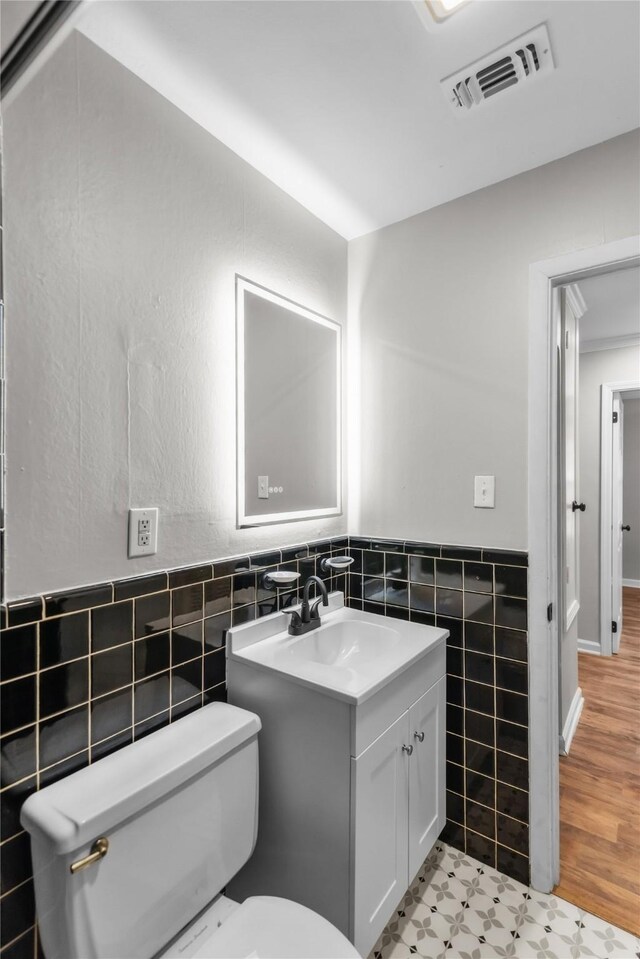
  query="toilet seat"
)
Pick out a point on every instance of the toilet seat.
point(263, 927)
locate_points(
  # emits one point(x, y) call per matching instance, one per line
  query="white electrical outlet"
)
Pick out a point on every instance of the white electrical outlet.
point(484, 492)
point(143, 531)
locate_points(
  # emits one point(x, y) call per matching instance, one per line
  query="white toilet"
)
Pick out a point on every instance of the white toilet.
point(177, 815)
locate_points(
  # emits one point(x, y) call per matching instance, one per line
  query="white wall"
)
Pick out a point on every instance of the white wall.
point(631, 491)
point(130, 324)
point(441, 303)
point(121, 338)
point(603, 366)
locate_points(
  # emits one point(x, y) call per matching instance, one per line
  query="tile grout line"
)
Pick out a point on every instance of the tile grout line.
point(171, 653)
point(495, 753)
point(465, 712)
point(37, 729)
point(21, 935)
point(133, 670)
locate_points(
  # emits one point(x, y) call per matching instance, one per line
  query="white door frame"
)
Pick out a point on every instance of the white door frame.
point(606, 468)
point(544, 801)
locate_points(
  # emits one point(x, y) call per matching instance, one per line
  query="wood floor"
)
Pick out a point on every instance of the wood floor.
point(600, 785)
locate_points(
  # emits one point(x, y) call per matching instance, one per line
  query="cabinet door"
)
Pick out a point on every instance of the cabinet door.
point(379, 807)
point(427, 774)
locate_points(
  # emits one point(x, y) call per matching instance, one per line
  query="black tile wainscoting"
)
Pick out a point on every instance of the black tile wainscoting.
point(480, 596)
point(87, 671)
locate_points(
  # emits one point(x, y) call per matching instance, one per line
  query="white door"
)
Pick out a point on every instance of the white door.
point(571, 508)
point(427, 789)
point(616, 522)
point(380, 804)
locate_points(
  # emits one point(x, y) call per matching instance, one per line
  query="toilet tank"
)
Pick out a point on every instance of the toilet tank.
point(179, 810)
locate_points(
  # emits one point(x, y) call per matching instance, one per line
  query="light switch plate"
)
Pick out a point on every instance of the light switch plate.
point(143, 531)
point(484, 492)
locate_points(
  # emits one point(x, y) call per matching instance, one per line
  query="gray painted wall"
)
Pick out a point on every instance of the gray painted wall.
point(631, 491)
point(121, 339)
point(603, 366)
point(442, 303)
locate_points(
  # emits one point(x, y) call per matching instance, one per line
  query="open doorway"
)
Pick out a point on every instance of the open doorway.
point(598, 449)
point(619, 506)
point(546, 278)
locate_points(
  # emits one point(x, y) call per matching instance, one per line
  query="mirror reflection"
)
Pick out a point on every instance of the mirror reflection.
point(288, 409)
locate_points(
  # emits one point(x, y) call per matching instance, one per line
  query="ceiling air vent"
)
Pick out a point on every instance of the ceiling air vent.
point(522, 59)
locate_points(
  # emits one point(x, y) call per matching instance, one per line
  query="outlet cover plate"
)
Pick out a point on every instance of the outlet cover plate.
point(143, 531)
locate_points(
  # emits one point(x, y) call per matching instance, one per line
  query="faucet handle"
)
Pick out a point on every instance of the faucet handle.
point(294, 608)
point(314, 611)
point(294, 612)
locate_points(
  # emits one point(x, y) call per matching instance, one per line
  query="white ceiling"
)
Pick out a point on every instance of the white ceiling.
point(14, 14)
point(613, 306)
point(339, 102)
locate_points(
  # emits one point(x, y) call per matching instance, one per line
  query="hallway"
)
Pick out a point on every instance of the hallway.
point(600, 785)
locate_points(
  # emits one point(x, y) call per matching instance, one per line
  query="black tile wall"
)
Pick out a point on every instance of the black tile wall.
point(64, 639)
point(187, 604)
point(87, 597)
point(480, 596)
point(190, 575)
point(87, 671)
point(18, 651)
point(110, 625)
point(23, 611)
point(140, 586)
point(152, 614)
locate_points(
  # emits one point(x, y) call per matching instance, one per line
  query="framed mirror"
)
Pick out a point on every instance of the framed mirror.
point(289, 382)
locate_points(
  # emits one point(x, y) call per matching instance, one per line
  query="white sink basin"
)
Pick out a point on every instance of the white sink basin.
point(347, 643)
point(349, 657)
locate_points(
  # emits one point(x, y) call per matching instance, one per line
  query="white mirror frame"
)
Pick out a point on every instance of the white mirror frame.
point(247, 286)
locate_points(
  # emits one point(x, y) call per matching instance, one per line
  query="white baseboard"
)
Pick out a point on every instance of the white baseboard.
point(570, 726)
point(633, 583)
point(589, 646)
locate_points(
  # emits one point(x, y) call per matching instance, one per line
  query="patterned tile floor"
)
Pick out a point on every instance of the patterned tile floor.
point(458, 908)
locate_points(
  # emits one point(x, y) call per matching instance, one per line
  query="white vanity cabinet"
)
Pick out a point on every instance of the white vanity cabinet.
point(352, 794)
point(398, 803)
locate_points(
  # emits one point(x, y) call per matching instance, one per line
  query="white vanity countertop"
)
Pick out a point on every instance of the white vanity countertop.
point(349, 657)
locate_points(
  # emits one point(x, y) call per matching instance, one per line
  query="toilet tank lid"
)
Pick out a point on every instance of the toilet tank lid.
point(74, 811)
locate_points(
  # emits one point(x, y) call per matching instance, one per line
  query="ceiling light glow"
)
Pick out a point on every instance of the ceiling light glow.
point(441, 9)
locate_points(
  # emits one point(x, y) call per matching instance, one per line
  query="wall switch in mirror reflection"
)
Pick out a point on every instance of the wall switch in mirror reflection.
point(484, 492)
point(263, 487)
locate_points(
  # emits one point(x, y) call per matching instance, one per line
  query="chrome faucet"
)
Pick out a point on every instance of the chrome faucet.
point(307, 615)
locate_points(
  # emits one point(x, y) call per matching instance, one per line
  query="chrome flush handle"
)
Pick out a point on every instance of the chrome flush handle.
point(419, 736)
point(407, 749)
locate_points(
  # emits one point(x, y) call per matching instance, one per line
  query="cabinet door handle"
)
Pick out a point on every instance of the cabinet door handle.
point(419, 736)
point(407, 749)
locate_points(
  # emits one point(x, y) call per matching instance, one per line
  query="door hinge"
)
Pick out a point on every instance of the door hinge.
point(615, 417)
point(549, 612)
point(566, 340)
point(614, 626)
